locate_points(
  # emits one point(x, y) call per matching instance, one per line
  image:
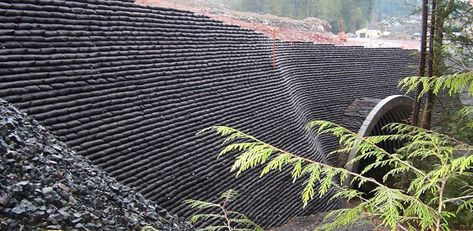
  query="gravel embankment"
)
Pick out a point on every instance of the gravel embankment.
point(44, 184)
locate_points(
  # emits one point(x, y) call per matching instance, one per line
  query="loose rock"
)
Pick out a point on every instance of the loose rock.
point(46, 185)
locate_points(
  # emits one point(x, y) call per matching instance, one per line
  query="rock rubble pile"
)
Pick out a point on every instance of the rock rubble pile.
point(44, 184)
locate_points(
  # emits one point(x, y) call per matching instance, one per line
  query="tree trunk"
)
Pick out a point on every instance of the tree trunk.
point(429, 99)
point(441, 10)
point(421, 71)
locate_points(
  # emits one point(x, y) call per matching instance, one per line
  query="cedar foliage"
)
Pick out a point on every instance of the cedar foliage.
point(453, 84)
point(419, 206)
point(229, 220)
point(456, 83)
point(450, 44)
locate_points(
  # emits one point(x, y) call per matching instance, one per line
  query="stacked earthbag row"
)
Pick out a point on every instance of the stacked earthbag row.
point(128, 86)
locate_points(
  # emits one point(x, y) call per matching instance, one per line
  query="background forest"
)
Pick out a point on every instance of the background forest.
point(351, 14)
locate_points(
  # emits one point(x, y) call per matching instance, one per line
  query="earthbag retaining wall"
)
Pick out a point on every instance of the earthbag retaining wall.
point(128, 86)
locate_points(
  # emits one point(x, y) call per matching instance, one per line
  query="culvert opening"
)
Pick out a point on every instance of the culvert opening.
point(393, 109)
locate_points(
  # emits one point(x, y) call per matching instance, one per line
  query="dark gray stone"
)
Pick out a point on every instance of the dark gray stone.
point(50, 199)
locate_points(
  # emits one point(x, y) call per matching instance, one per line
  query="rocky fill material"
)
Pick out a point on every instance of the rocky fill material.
point(44, 184)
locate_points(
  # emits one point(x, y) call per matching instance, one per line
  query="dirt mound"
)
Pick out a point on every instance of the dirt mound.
point(44, 184)
point(309, 30)
point(286, 29)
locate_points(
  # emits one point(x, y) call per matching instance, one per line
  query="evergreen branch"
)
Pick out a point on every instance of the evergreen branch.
point(214, 228)
point(196, 204)
point(455, 83)
point(204, 216)
point(394, 206)
point(322, 173)
point(342, 218)
point(242, 165)
point(450, 200)
point(231, 219)
point(244, 220)
point(229, 195)
point(364, 145)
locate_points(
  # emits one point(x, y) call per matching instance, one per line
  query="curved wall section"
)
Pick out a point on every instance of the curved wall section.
point(128, 86)
point(392, 109)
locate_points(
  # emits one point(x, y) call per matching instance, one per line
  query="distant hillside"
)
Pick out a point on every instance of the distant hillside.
point(396, 8)
point(349, 14)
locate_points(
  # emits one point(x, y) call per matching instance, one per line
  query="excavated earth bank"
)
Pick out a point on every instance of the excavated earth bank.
point(44, 184)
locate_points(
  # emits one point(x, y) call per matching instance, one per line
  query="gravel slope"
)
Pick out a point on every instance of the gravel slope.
point(44, 184)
